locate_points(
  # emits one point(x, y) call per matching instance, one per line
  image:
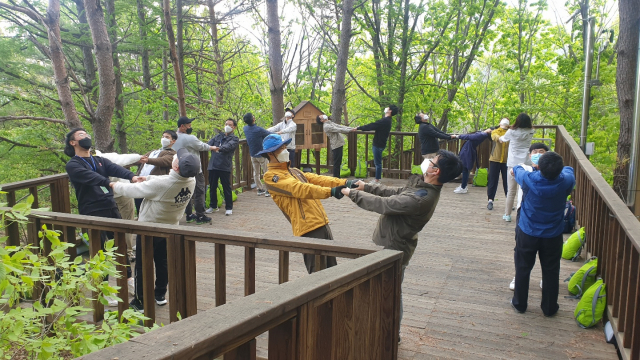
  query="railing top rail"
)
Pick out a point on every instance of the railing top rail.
point(208, 234)
point(209, 330)
point(32, 182)
point(617, 207)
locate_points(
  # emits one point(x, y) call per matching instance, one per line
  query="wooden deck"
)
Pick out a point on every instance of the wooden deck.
point(456, 294)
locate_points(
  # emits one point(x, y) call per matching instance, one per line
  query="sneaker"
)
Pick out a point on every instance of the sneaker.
point(228, 212)
point(374, 182)
point(131, 284)
point(512, 286)
point(260, 192)
point(160, 300)
point(460, 190)
point(506, 218)
point(210, 210)
point(111, 301)
point(203, 220)
point(490, 205)
point(191, 218)
point(514, 308)
point(136, 305)
point(266, 193)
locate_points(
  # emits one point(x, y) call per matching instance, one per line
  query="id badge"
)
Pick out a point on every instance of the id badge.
point(104, 189)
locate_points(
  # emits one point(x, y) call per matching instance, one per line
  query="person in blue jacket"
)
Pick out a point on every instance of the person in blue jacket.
point(220, 165)
point(540, 225)
point(255, 135)
point(469, 155)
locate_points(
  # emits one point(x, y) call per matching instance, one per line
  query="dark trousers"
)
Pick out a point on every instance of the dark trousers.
point(108, 235)
point(324, 233)
point(138, 202)
point(550, 251)
point(197, 200)
point(225, 179)
point(337, 160)
point(465, 178)
point(292, 157)
point(495, 169)
point(377, 160)
point(160, 260)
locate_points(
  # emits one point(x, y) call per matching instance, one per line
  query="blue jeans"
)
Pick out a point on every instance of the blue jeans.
point(465, 177)
point(377, 160)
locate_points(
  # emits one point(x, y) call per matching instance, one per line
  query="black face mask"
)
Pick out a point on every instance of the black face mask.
point(85, 143)
point(189, 130)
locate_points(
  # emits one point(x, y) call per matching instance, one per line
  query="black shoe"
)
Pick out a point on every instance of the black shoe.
point(136, 305)
point(203, 220)
point(514, 308)
point(490, 205)
point(191, 218)
point(160, 300)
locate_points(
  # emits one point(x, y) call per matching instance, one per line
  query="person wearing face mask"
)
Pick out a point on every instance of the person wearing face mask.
point(254, 135)
point(497, 162)
point(469, 155)
point(220, 166)
point(336, 139)
point(404, 211)
point(429, 135)
point(89, 176)
point(298, 195)
point(287, 129)
point(165, 197)
point(382, 128)
point(194, 146)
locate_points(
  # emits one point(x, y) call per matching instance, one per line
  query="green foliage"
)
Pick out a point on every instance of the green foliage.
point(45, 298)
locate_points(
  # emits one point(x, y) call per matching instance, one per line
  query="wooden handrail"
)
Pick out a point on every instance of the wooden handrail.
point(293, 314)
point(25, 184)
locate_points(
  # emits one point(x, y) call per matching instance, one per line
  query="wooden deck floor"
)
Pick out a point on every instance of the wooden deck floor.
point(456, 294)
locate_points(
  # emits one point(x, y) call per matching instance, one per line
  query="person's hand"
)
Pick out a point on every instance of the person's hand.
point(279, 132)
point(351, 184)
point(213, 148)
point(360, 184)
point(137, 179)
point(345, 191)
point(511, 172)
point(354, 129)
point(453, 136)
point(144, 159)
point(111, 184)
point(336, 192)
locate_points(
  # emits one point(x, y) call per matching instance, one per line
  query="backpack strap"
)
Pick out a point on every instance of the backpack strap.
point(579, 251)
point(584, 279)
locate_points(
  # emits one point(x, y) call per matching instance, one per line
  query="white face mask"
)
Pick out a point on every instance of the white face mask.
point(228, 129)
point(325, 118)
point(283, 156)
point(386, 110)
point(165, 142)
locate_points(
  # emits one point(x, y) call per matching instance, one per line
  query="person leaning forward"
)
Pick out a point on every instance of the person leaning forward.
point(298, 195)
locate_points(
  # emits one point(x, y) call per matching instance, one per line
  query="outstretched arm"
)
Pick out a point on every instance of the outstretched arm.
point(393, 205)
point(291, 187)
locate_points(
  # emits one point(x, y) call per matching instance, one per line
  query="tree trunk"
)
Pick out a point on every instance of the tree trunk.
point(59, 69)
point(144, 54)
point(104, 60)
point(182, 107)
point(180, 34)
point(121, 133)
point(87, 55)
point(339, 90)
point(216, 55)
point(165, 80)
point(629, 11)
point(275, 61)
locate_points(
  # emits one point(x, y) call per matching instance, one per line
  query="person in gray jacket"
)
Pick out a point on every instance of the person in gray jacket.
point(287, 130)
point(336, 140)
point(404, 211)
point(220, 166)
point(193, 146)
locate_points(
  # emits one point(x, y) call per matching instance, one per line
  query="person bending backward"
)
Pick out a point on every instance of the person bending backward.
point(469, 155)
point(298, 195)
point(404, 211)
point(165, 198)
point(220, 166)
point(382, 128)
point(429, 135)
point(159, 161)
point(540, 228)
point(497, 162)
point(336, 139)
point(287, 129)
point(254, 135)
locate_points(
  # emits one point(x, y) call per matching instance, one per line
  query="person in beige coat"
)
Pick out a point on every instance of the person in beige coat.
point(336, 140)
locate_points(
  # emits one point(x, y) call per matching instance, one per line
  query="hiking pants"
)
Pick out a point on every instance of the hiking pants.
point(324, 233)
point(337, 160)
point(160, 261)
point(495, 170)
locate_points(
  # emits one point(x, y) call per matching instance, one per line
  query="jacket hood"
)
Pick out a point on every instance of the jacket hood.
point(546, 189)
point(522, 134)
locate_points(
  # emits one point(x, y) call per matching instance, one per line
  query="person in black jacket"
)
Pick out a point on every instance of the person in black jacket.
point(382, 128)
point(220, 165)
point(429, 136)
point(89, 176)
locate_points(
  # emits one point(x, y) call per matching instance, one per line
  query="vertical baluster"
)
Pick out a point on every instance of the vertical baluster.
point(246, 351)
point(283, 267)
point(635, 322)
point(282, 341)
point(221, 274)
point(624, 289)
point(614, 298)
point(631, 300)
point(12, 229)
point(95, 245)
point(123, 293)
point(190, 278)
point(249, 270)
point(176, 267)
point(148, 280)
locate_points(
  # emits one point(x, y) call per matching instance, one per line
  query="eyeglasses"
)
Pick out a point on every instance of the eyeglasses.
point(433, 165)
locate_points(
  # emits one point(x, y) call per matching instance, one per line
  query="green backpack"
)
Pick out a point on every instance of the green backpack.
point(582, 279)
point(591, 307)
point(361, 169)
point(220, 196)
point(345, 171)
point(573, 246)
point(481, 178)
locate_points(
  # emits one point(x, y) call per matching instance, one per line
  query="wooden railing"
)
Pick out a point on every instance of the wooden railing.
point(350, 311)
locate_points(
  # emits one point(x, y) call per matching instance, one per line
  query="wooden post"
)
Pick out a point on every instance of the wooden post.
point(148, 280)
point(123, 293)
point(283, 267)
point(417, 150)
point(249, 271)
point(95, 245)
point(282, 341)
point(316, 154)
point(191, 291)
point(221, 274)
point(352, 153)
point(12, 229)
point(246, 351)
point(176, 266)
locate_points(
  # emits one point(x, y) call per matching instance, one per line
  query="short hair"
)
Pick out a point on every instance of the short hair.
point(248, 118)
point(550, 165)
point(68, 149)
point(319, 119)
point(523, 121)
point(449, 164)
point(173, 134)
point(536, 146)
point(235, 123)
point(418, 118)
point(394, 110)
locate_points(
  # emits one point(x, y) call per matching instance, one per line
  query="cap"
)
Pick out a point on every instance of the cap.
point(504, 122)
point(272, 143)
point(188, 163)
point(184, 120)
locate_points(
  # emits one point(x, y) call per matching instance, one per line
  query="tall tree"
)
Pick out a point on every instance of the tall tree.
point(338, 97)
point(175, 61)
point(275, 61)
point(215, 42)
point(121, 133)
point(144, 52)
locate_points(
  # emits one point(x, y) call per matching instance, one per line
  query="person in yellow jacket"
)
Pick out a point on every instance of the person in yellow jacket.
point(298, 195)
point(498, 162)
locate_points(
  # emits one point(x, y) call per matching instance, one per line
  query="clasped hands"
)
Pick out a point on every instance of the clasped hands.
point(340, 191)
point(135, 179)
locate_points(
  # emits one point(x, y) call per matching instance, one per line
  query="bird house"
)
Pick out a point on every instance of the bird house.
point(309, 134)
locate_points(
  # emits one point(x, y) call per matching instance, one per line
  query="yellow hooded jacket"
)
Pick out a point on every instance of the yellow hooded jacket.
point(499, 151)
point(297, 195)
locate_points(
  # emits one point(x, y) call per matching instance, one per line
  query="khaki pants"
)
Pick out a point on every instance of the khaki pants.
point(511, 192)
point(127, 210)
point(429, 156)
point(259, 163)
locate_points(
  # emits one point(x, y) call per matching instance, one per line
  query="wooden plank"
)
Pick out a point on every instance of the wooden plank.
point(282, 341)
point(283, 267)
point(95, 245)
point(629, 313)
point(635, 330)
point(389, 314)
point(246, 351)
point(221, 275)
point(177, 289)
point(190, 278)
point(619, 261)
point(321, 330)
point(375, 335)
point(123, 292)
point(148, 280)
point(249, 271)
point(25, 184)
point(11, 228)
point(343, 326)
point(361, 321)
point(624, 289)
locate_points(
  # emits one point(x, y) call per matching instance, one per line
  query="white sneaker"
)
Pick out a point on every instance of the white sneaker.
point(228, 212)
point(460, 190)
point(131, 284)
point(374, 182)
point(512, 286)
point(210, 210)
point(111, 301)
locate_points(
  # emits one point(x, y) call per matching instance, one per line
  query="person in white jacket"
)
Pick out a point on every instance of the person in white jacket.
point(287, 130)
point(165, 198)
point(336, 140)
point(519, 137)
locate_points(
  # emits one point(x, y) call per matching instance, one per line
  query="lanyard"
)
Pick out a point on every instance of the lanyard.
point(94, 167)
